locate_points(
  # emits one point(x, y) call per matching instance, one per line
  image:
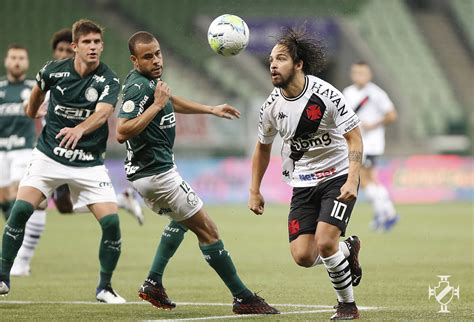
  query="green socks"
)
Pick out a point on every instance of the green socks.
point(6, 207)
point(109, 250)
point(219, 259)
point(171, 238)
point(13, 236)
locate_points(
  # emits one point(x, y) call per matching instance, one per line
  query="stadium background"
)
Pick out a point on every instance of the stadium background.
point(421, 52)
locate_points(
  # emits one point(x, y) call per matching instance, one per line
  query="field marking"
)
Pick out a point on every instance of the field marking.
point(309, 306)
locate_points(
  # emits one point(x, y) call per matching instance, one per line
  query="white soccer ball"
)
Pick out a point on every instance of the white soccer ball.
point(228, 35)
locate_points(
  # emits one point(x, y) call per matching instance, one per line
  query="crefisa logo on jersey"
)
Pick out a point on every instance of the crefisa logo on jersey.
point(91, 94)
point(443, 293)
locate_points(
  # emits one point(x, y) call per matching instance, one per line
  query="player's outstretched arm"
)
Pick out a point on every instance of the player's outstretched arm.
point(72, 135)
point(34, 103)
point(185, 106)
point(260, 161)
point(354, 143)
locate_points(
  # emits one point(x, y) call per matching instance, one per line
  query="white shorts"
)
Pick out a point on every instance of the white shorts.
point(88, 185)
point(168, 194)
point(13, 165)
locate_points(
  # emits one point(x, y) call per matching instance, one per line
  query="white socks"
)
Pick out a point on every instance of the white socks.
point(381, 202)
point(33, 230)
point(342, 247)
point(340, 276)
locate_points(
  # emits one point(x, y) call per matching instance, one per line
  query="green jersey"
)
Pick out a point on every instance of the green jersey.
point(17, 131)
point(72, 100)
point(150, 152)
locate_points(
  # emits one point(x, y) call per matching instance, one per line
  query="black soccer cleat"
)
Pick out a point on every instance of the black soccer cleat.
point(353, 243)
point(346, 311)
point(155, 293)
point(252, 305)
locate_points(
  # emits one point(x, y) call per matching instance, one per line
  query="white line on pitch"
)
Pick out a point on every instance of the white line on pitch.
point(177, 303)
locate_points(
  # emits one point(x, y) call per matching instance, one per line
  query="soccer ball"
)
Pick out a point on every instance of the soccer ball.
point(228, 35)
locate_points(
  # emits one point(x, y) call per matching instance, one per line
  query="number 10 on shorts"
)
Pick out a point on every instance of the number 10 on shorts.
point(338, 210)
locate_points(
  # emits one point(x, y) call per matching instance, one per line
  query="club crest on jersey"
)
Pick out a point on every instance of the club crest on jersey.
point(128, 106)
point(313, 112)
point(91, 94)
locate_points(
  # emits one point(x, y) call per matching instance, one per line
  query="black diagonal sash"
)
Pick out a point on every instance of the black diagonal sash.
point(361, 104)
point(308, 124)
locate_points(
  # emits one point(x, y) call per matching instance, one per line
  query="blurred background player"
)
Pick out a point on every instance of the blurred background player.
point(375, 110)
point(147, 125)
point(17, 131)
point(61, 46)
point(70, 150)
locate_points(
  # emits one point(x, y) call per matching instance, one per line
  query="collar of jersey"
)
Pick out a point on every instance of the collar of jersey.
point(300, 94)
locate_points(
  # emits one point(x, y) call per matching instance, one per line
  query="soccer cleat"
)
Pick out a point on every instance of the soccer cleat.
point(252, 305)
point(4, 288)
point(129, 202)
point(346, 311)
point(353, 243)
point(389, 223)
point(108, 295)
point(155, 293)
point(20, 268)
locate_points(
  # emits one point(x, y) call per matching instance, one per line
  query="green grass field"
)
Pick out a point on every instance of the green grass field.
point(398, 268)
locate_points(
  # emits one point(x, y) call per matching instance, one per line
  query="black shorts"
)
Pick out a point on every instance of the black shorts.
point(312, 204)
point(370, 161)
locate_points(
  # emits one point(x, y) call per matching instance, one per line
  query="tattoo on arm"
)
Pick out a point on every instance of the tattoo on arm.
point(355, 156)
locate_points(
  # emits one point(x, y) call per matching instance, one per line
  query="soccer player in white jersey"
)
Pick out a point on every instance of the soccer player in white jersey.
point(375, 110)
point(322, 154)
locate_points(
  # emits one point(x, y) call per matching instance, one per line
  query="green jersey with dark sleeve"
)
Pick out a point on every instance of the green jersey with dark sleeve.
point(150, 152)
point(72, 100)
point(17, 131)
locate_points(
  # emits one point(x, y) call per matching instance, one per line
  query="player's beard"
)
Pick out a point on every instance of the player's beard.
point(284, 82)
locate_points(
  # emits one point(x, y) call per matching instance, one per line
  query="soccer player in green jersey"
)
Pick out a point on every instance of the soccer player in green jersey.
point(17, 131)
point(147, 126)
point(62, 49)
point(70, 150)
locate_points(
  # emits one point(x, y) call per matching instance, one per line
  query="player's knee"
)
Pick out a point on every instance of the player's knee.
point(303, 259)
point(326, 246)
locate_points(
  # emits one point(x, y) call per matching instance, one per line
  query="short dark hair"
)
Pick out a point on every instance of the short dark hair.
point(63, 35)
point(84, 27)
point(16, 46)
point(361, 62)
point(143, 37)
point(302, 47)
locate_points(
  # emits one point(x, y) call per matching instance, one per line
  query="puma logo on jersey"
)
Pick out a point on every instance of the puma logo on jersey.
point(117, 80)
point(138, 85)
point(61, 89)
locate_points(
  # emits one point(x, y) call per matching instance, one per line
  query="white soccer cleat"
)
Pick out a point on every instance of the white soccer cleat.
point(20, 268)
point(127, 200)
point(109, 296)
point(4, 289)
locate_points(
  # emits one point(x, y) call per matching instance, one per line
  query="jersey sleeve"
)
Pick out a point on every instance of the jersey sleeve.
point(344, 117)
point(110, 91)
point(266, 127)
point(42, 77)
point(133, 94)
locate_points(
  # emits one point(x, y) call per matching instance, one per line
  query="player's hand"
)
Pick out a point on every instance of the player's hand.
point(369, 127)
point(256, 203)
point(162, 94)
point(70, 135)
point(348, 191)
point(226, 111)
